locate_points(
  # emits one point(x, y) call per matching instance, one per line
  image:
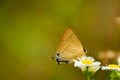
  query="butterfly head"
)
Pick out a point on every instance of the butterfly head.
point(59, 59)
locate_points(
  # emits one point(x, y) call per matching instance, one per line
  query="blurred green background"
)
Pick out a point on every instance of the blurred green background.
point(30, 31)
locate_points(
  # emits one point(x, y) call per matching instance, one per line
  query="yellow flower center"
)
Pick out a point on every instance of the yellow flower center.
point(87, 62)
point(113, 66)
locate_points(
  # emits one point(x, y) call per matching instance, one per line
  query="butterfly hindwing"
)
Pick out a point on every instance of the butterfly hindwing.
point(70, 47)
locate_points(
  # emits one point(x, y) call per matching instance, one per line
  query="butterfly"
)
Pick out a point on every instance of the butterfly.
point(69, 48)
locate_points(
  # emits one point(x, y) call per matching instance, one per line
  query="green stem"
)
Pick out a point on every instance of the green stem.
point(88, 77)
point(112, 75)
point(87, 74)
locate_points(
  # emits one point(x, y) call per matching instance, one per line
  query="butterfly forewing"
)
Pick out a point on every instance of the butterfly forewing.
point(70, 47)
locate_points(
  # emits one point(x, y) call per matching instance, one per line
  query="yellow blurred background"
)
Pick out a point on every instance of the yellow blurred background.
point(30, 31)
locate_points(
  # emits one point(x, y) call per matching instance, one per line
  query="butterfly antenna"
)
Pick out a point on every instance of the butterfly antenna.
point(51, 58)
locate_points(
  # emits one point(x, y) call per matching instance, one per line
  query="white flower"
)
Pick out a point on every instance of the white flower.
point(111, 67)
point(87, 63)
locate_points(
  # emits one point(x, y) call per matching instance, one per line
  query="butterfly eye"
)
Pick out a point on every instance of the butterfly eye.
point(58, 54)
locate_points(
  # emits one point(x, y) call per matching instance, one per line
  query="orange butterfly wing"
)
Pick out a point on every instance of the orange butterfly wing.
point(70, 47)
